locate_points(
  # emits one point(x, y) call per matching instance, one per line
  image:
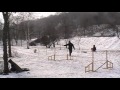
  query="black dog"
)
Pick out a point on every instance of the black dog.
point(16, 68)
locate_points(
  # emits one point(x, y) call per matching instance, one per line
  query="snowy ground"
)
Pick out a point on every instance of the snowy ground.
point(41, 67)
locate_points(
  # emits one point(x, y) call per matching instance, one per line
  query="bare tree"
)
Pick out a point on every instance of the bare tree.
point(9, 38)
point(21, 22)
point(1, 28)
point(26, 16)
point(5, 32)
point(14, 22)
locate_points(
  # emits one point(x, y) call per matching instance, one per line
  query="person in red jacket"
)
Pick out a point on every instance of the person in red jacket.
point(70, 46)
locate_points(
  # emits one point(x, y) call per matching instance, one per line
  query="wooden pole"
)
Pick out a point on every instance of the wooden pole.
point(67, 56)
point(79, 42)
point(106, 60)
point(60, 45)
point(54, 51)
point(54, 56)
point(46, 50)
point(92, 61)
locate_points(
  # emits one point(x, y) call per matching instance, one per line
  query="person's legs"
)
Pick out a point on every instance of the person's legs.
point(70, 51)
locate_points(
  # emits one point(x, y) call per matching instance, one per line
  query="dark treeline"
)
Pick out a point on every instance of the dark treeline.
point(65, 25)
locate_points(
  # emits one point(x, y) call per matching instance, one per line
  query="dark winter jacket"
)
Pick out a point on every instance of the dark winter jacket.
point(94, 48)
point(70, 46)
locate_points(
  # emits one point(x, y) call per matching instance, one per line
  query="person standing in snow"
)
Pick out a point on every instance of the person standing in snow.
point(94, 48)
point(70, 46)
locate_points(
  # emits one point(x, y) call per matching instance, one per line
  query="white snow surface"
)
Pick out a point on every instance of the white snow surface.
point(41, 67)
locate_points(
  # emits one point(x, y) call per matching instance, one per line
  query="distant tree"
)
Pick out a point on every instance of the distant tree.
point(14, 21)
point(22, 26)
point(45, 40)
point(26, 16)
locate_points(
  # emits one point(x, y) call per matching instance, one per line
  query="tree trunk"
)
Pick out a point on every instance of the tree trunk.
point(12, 42)
point(84, 32)
point(5, 30)
point(21, 42)
point(28, 37)
point(9, 42)
point(117, 31)
point(16, 42)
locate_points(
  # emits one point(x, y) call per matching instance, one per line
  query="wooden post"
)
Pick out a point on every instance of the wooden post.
point(54, 51)
point(38, 52)
point(67, 56)
point(54, 56)
point(79, 42)
point(106, 60)
point(60, 46)
point(92, 61)
point(46, 50)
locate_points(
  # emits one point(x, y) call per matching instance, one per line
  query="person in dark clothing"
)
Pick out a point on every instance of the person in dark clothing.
point(94, 48)
point(70, 46)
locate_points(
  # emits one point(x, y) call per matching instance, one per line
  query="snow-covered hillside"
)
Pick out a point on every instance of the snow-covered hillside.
point(41, 67)
point(102, 43)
